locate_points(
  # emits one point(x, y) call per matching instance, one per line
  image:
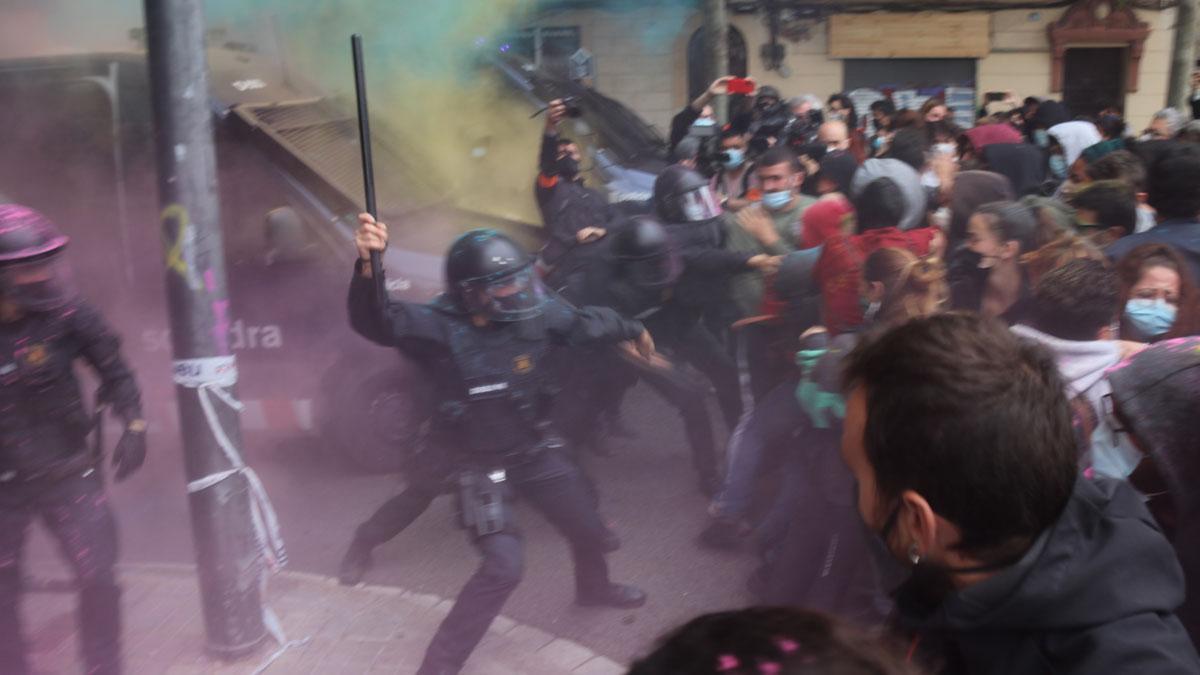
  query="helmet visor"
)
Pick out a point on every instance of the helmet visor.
point(38, 285)
point(699, 205)
point(512, 297)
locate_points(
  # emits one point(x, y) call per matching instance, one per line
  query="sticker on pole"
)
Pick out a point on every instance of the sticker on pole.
point(220, 371)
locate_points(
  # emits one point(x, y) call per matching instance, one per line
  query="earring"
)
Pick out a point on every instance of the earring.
point(914, 555)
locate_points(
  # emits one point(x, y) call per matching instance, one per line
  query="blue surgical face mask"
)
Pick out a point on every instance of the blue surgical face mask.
point(777, 200)
point(1041, 138)
point(1058, 166)
point(737, 157)
point(704, 122)
point(1151, 317)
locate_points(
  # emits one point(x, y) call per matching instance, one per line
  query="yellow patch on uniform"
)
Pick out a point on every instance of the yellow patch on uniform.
point(35, 355)
point(522, 364)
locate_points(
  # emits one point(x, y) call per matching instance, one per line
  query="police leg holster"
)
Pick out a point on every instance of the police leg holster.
point(483, 501)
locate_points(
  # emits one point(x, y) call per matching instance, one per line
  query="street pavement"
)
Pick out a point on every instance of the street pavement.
point(647, 491)
point(328, 629)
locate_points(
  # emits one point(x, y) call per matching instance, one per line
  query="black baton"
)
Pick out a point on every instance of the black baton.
point(368, 166)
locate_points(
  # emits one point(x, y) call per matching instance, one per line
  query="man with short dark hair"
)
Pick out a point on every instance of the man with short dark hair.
point(770, 226)
point(1124, 166)
point(1003, 559)
point(1105, 211)
point(734, 181)
point(571, 212)
point(1173, 180)
point(1072, 314)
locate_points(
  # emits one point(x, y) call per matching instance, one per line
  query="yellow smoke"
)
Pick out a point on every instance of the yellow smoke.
point(430, 99)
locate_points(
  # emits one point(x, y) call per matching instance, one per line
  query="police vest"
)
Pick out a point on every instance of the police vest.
point(42, 415)
point(503, 392)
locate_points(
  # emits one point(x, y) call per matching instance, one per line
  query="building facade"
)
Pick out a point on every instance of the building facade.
point(1092, 54)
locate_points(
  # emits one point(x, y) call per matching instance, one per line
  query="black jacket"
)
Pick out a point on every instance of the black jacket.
point(681, 124)
point(567, 206)
point(1095, 594)
point(707, 264)
point(43, 417)
point(494, 383)
point(601, 284)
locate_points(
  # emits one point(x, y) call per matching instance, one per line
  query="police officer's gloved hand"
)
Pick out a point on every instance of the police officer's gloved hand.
point(130, 452)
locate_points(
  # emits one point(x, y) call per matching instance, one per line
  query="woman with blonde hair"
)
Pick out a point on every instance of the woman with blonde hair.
point(901, 286)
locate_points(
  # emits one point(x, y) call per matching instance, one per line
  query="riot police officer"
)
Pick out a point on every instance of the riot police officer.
point(46, 469)
point(637, 278)
point(686, 205)
point(495, 325)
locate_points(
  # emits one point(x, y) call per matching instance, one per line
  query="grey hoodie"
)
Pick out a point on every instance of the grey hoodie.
point(905, 177)
point(1084, 365)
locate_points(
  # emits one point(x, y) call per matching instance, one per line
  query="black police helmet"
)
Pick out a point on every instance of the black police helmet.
point(27, 235)
point(33, 273)
point(670, 190)
point(489, 274)
point(767, 91)
point(642, 237)
point(483, 255)
point(644, 248)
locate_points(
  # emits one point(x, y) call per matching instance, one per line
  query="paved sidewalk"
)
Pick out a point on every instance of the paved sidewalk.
point(367, 629)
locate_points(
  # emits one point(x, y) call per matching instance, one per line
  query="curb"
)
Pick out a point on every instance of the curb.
point(571, 656)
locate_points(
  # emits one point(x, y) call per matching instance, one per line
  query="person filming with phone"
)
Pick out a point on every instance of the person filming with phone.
point(573, 213)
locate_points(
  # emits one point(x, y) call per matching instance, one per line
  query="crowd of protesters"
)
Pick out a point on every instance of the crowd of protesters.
point(982, 344)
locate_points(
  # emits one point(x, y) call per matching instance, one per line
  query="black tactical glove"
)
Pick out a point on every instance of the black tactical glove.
point(130, 452)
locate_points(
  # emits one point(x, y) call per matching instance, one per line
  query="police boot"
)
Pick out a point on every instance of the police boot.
point(355, 563)
point(100, 627)
point(612, 595)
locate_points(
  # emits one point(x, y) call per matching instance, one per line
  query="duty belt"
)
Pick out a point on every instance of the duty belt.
point(81, 464)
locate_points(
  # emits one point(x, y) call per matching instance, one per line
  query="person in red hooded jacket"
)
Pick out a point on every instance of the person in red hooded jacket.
point(879, 207)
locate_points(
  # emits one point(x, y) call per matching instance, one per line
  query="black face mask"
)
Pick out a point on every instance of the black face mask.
point(966, 264)
point(891, 573)
point(922, 586)
point(568, 168)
